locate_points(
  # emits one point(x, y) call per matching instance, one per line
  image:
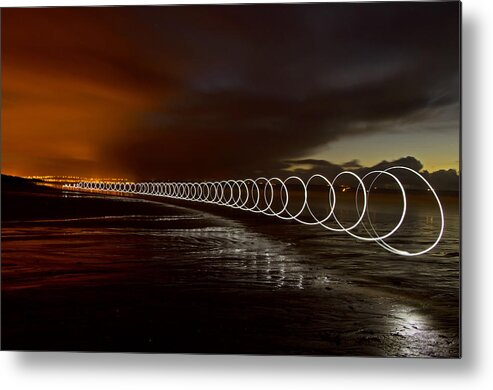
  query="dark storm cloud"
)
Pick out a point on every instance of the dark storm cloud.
point(227, 91)
point(267, 83)
point(351, 164)
point(443, 180)
point(313, 166)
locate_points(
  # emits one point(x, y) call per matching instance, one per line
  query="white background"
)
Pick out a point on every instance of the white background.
point(473, 371)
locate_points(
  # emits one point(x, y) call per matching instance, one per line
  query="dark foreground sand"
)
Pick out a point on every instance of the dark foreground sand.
point(94, 273)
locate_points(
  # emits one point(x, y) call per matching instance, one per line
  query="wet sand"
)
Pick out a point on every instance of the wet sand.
point(89, 272)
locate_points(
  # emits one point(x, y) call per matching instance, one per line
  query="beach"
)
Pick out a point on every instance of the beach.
point(84, 271)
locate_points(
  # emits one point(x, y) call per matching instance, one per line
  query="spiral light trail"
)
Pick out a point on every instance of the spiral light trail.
point(259, 196)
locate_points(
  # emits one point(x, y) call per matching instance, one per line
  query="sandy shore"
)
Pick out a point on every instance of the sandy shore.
point(99, 273)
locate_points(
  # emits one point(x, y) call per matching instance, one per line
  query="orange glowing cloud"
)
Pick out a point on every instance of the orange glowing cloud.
point(204, 92)
point(62, 98)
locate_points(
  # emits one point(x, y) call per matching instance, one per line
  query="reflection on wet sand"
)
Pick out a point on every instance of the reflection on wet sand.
point(265, 287)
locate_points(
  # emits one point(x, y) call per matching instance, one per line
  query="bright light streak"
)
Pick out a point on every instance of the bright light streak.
point(242, 193)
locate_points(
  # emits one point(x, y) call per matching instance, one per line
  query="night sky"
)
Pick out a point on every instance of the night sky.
point(215, 92)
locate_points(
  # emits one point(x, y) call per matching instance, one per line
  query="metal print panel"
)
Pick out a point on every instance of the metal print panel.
point(244, 179)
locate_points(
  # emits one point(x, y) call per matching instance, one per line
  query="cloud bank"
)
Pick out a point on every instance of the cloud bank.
point(207, 92)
